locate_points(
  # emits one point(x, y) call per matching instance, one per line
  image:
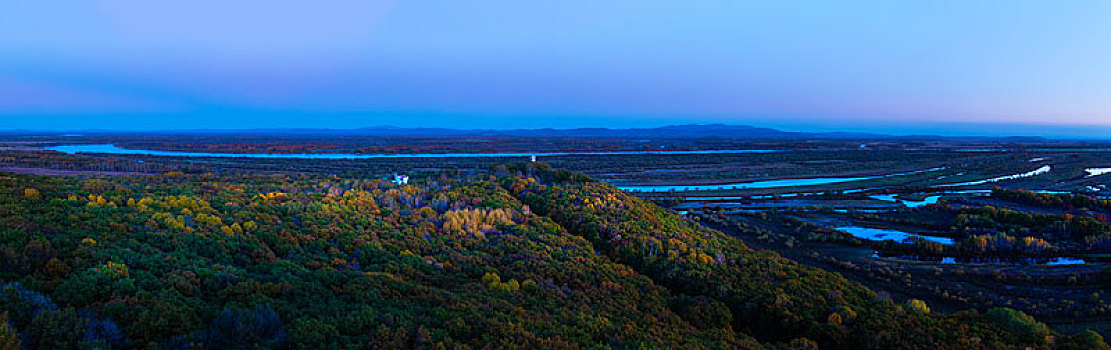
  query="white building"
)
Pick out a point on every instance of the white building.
point(401, 179)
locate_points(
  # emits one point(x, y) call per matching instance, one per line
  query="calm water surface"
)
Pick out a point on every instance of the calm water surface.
point(113, 149)
point(879, 234)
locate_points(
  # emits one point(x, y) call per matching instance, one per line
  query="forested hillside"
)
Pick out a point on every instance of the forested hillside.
point(527, 258)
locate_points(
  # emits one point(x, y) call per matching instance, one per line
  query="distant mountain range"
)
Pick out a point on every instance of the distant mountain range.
point(672, 131)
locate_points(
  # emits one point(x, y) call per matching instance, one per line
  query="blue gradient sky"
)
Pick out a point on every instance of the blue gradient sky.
point(893, 66)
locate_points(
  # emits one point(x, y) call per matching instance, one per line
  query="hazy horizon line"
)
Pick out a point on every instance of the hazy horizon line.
point(937, 129)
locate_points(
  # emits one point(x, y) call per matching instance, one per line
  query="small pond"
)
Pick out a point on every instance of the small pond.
point(879, 234)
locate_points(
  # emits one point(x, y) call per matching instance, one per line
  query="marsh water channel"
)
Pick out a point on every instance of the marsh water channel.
point(948, 260)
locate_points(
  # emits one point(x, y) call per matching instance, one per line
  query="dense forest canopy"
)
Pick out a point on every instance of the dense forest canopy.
point(521, 257)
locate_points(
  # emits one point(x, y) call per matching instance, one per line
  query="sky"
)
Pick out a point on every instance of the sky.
point(889, 66)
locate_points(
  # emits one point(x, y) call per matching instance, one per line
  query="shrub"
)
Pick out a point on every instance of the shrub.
point(918, 306)
point(1022, 325)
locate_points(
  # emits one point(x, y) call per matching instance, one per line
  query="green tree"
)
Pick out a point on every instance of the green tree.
point(1019, 323)
point(62, 329)
point(918, 306)
point(1086, 340)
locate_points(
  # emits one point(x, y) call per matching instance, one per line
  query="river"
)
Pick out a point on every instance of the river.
point(113, 149)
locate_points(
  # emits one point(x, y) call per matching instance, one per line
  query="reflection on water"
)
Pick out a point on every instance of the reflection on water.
point(744, 185)
point(1042, 170)
point(910, 203)
point(878, 234)
point(770, 184)
point(113, 149)
point(924, 201)
point(1058, 260)
point(1097, 171)
point(1064, 260)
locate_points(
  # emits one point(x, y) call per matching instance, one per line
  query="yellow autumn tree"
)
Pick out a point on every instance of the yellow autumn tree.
point(474, 221)
point(918, 306)
point(32, 193)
